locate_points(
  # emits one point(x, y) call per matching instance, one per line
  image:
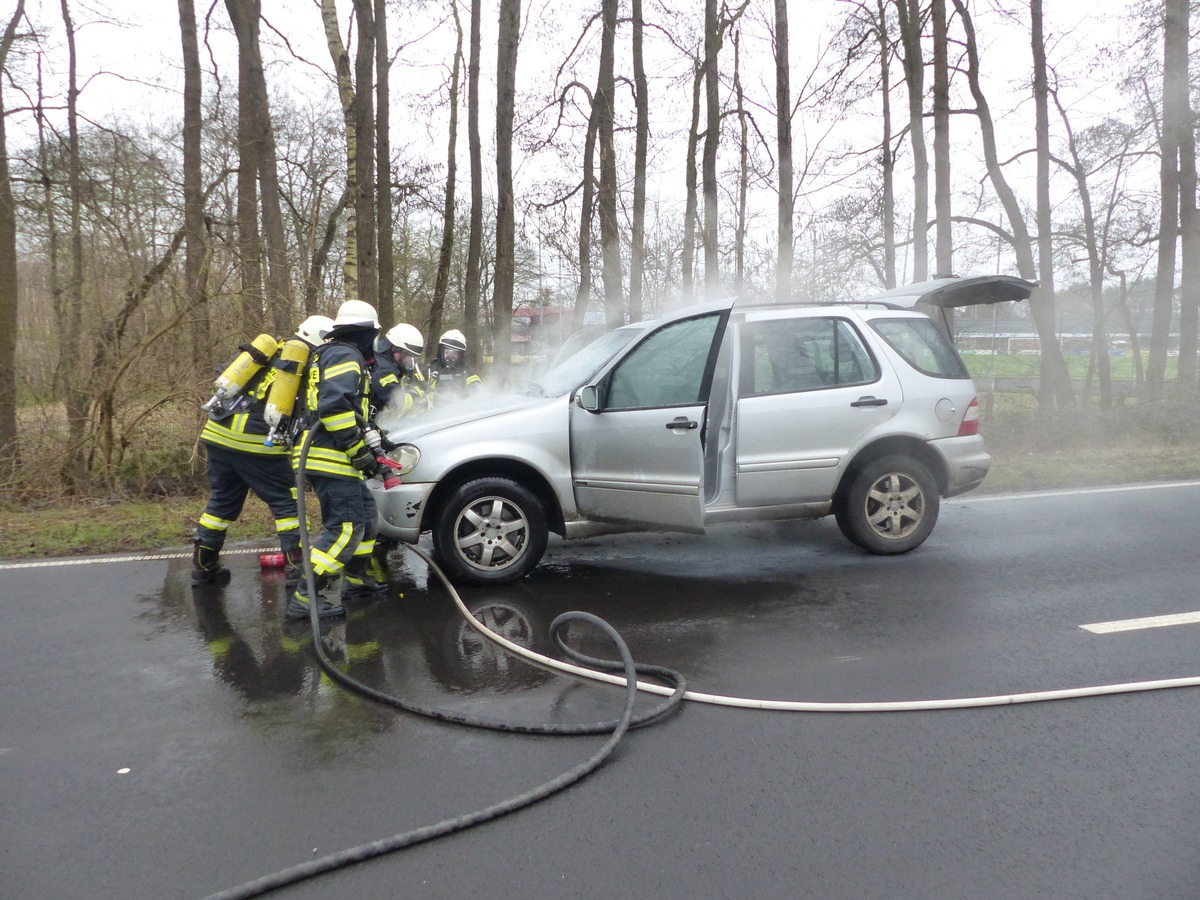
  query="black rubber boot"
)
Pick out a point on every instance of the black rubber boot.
point(298, 605)
point(360, 585)
point(293, 567)
point(206, 566)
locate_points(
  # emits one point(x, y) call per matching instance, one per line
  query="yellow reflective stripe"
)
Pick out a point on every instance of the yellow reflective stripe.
point(339, 421)
point(365, 548)
point(389, 378)
point(212, 523)
point(220, 646)
point(223, 436)
point(287, 524)
point(342, 368)
point(343, 539)
point(323, 563)
point(474, 379)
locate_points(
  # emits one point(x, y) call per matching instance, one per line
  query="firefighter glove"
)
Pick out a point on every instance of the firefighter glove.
point(364, 460)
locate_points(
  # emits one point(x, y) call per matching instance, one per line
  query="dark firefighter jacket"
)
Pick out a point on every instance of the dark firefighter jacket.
point(245, 429)
point(337, 394)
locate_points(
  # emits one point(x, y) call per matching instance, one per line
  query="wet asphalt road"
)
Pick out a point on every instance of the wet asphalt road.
point(243, 758)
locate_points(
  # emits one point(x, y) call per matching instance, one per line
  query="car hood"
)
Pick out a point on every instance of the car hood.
point(470, 409)
point(953, 292)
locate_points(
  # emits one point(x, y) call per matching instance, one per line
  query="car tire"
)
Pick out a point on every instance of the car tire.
point(489, 531)
point(890, 507)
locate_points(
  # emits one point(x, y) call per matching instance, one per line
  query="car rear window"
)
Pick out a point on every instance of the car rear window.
point(922, 345)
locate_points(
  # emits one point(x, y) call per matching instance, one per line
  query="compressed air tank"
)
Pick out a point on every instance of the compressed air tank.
point(248, 363)
point(289, 366)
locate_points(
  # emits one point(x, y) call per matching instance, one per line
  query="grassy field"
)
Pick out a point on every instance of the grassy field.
point(1032, 450)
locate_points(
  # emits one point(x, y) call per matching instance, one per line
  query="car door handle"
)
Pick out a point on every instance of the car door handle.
point(870, 401)
point(683, 422)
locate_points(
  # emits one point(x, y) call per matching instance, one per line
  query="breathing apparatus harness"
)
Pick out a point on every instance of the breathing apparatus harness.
point(615, 728)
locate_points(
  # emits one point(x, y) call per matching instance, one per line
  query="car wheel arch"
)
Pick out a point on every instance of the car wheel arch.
point(895, 445)
point(523, 474)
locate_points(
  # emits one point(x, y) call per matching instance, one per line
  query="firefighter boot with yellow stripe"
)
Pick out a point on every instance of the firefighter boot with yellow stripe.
point(298, 605)
point(359, 584)
point(206, 566)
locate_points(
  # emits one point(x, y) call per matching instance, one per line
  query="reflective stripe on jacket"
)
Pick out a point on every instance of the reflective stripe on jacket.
point(337, 394)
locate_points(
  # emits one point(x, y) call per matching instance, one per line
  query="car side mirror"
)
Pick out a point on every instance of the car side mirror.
point(588, 398)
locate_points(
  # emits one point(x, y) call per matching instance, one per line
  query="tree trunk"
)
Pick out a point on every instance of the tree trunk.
point(345, 83)
point(637, 252)
point(783, 139)
point(739, 235)
point(243, 14)
point(364, 168)
point(610, 239)
point(442, 282)
point(386, 303)
point(583, 292)
point(10, 457)
point(887, 160)
point(507, 38)
point(473, 286)
point(688, 253)
point(193, 191)
point(943, 240)
point(76, 373)
point(712, 139)
point(1189, 219)
point(909, 13)
point(1052, 390)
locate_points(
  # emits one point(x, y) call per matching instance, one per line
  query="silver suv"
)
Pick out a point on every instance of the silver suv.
point(717, 413)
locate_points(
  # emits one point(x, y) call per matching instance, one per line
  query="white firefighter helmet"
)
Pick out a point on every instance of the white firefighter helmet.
point(356, 314)
point(406, 337)
point(454, 339)
point(314, 329)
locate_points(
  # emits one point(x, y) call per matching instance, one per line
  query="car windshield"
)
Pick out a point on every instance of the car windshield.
point(574, 370)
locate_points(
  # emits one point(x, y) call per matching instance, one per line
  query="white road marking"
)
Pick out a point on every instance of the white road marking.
point(973, 498)
point(1148, 622)
point(89, 560)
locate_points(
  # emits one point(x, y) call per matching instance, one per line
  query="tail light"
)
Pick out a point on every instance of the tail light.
point(970, 419)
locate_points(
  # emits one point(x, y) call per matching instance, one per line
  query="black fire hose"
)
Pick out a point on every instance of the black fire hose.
point(616, 727)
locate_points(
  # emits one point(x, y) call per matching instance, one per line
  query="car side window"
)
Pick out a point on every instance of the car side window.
point(922, 345)
point(666, 369)
point(788, 355)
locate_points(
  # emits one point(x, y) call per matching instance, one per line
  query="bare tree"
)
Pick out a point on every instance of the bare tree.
point(346, 94)
point(944, 238)
point(193, 191)
point(438, 305)
point(75, 375)
point(385, 229)
point(363, 194)
point(508, 36)
point(783, 138)
point(637, 250)
point(610, 242)
point(1055, 380)
point(909, 14)
point(472, 286)
point(244, 14)
point(9, 450)
point(712, 138)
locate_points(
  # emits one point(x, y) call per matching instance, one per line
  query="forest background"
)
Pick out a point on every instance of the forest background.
point(176, 180)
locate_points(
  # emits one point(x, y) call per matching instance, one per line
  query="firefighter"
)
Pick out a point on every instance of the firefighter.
point(448, 372)
point(240, 461)
point(398, 381)
point(337, 395)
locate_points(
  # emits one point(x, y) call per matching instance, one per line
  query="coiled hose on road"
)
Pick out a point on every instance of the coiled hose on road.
point(616, 728)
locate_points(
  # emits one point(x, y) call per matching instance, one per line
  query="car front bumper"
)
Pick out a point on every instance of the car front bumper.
point(401, 509)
